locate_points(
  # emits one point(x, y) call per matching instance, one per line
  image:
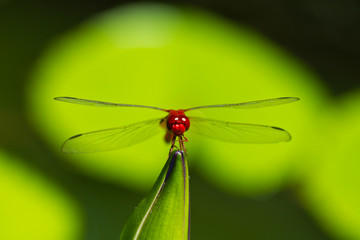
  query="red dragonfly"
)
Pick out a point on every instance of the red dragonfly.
point(176, 124)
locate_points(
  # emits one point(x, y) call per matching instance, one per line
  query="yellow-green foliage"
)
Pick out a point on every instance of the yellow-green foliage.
point(33, 208)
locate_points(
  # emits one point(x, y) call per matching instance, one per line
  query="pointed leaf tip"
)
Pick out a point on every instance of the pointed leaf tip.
point(164, 212)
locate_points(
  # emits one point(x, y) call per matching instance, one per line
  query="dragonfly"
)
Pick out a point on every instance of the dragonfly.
point(175, 123)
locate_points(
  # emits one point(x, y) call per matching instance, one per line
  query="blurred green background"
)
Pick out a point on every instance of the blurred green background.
point(177, 56)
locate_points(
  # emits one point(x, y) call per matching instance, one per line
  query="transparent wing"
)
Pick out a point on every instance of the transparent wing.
point(101, 104)
point(252, 104)
point(238, 132)
point(114, 138)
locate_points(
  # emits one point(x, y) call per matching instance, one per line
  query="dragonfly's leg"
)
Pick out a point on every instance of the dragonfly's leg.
point(172, 144)
point(180, 143)
point(182, 139)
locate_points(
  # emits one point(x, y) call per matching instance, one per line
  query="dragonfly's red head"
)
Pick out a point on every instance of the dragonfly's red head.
point(177, 122)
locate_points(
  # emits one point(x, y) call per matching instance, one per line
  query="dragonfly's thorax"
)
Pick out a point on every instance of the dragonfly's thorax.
point(177, 122)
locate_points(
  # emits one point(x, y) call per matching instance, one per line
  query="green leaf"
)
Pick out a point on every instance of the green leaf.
point(164, 213)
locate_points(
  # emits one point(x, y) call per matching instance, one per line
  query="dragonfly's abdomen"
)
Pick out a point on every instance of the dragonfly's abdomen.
point(177, 122)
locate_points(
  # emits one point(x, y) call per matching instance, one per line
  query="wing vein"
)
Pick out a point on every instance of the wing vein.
point(252, 104)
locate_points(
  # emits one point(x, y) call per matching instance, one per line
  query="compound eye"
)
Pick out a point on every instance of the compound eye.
point(170, 122)
point(186, 122)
